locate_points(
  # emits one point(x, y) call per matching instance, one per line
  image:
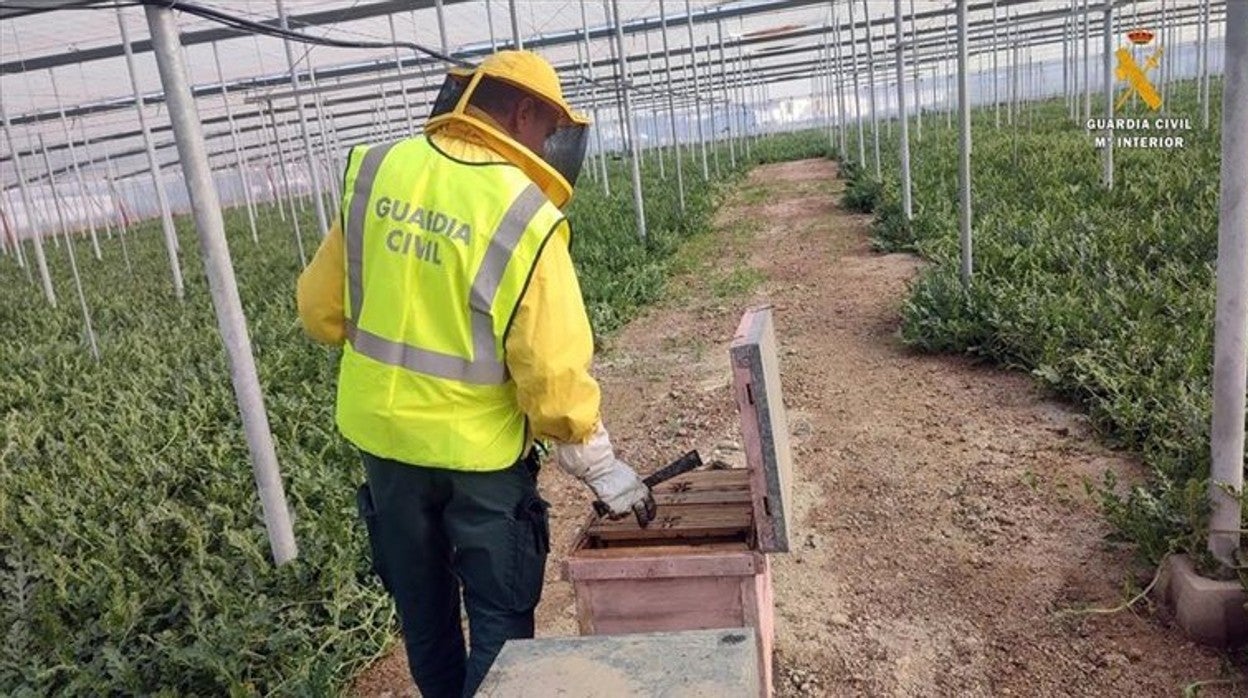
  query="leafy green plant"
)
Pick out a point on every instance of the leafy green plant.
point(133, 559)
point(1106, 297)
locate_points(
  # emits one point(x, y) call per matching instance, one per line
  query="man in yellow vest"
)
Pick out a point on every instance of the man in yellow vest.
point(449, 285)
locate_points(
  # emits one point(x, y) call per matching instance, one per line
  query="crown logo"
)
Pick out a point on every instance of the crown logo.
point(1140, 36)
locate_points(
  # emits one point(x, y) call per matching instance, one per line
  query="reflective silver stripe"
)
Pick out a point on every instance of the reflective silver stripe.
point(424, 361)
point(484, 368)
point(360, 195)
point(502, 245)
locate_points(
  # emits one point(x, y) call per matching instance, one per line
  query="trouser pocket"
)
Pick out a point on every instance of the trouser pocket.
point(531, 545)
point(368, 512)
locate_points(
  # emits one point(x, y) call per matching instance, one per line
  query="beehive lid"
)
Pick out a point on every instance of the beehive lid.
point(687, 664)
point(764, 426)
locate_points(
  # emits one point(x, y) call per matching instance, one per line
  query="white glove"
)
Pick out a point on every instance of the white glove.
point(614, 482)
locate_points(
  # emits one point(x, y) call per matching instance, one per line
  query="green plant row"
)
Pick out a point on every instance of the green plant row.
point(1106, 297)
point(133, 559)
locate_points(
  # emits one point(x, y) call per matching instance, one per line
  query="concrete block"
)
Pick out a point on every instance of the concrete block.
point(1210, 611)
point(688, 664)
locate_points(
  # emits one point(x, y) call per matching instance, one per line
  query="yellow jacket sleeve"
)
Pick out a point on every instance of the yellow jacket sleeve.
point(319, 291)
point(550, 347)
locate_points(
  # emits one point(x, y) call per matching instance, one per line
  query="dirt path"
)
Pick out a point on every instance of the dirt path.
point(940, 507)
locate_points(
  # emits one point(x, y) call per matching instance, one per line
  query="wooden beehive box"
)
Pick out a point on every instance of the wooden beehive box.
point(702, 563)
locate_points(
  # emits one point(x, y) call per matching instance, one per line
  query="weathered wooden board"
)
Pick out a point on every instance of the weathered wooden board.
point(690, 664)
point(764, 426)
point(651, 562)
point(680, 522)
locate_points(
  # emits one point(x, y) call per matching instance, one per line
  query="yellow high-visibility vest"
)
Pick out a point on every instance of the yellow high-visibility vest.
point(438, 254)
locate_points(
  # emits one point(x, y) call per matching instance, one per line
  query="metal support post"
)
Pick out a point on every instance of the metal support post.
point(1108, 176)
point(902, 116)
point(964, 149)
point(853, 50)
point(1204, 62)
point(1087, 61)
point(73, 160)
point(217, 266)
point(398, 67)
point(446, 47)
point(697, 91)
point(840, 83)
point(515, 25)
point(239, 161)
point(321, 219)
point(638, 204)
point(1230, 341)
point(290, 194)
point(996, 98)
point(153, 166)
point(671, 107)
point(914, 61)
point(711, 89)
point(122, 227)
point(723, 76)
point(36, 234)
point(875, 122)
point(589, 62)
point(88, 330)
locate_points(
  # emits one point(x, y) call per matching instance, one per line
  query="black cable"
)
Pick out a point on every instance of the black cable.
point(245, 25)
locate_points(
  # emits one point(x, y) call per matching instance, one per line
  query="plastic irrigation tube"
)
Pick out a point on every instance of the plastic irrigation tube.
point(216, 252)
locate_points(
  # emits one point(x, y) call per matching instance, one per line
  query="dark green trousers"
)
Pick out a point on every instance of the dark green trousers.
point(439, 535)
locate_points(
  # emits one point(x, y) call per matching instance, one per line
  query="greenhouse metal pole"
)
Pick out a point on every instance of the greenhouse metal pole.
point(745, 72)
point(41, 260)
point(1108, 175)
point(321, 220)
point(290, 194)
point(515, 25)
point(73, 159)
point(238, 151)
point(875, 122)
point(638, 204)
point(914, 63)
point(948, 77)
point(710, 88)
point(996, 99)
point(1087, 61)
point(964, 150)
point(697, 91)
point(671, 107)
point(902, 116)
point(73, 260)
point(217, 266)
point(489, 21)
point(122, 228)
point(398, 67)
point(842, 113)
point(655, 112)
point(86, 149)
point(589, 63)
point(1230, 341)
point(1204, 62)
point(153, 166)
point(446, 49)
point(853, 51)
point(723, 76)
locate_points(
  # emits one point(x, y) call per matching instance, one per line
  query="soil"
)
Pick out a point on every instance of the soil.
point(941, 520)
